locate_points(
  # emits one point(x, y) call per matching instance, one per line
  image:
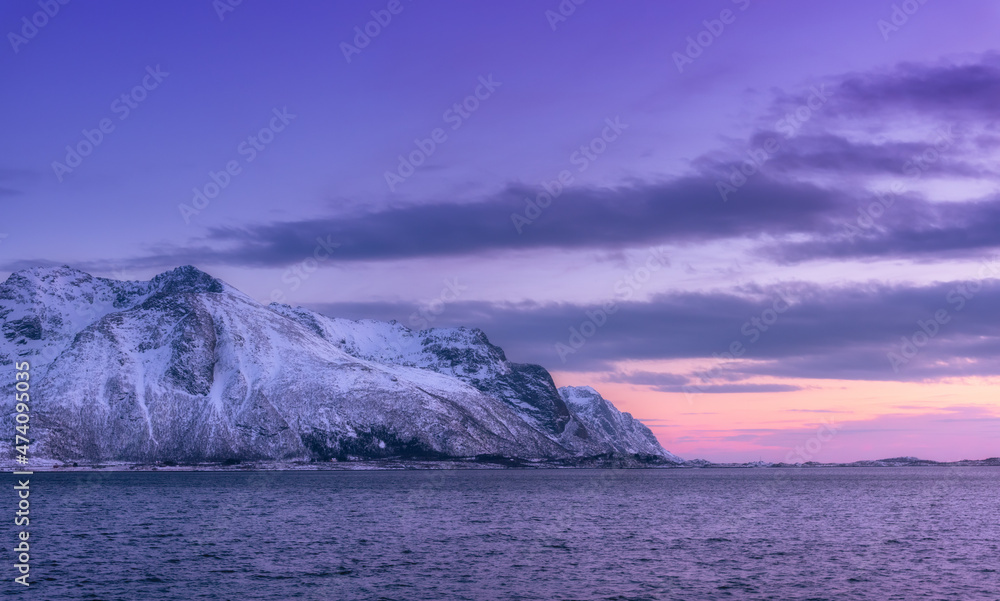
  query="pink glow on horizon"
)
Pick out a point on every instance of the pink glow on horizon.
point(826, 421)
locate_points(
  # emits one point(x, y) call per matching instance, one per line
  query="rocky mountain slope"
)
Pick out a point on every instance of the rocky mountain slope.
point(603, 422)
point(186, 368)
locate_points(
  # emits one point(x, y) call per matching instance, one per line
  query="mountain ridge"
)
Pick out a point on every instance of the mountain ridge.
point(185, 367)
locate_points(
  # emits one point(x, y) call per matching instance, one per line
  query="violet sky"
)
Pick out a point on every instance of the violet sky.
point(847, 285)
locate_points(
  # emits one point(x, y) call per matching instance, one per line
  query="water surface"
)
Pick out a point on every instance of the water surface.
point(836, 534)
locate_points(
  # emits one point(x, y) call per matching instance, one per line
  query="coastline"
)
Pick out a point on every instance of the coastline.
point(475, 464)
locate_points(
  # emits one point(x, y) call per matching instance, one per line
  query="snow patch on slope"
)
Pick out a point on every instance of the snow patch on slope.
point(186, 367)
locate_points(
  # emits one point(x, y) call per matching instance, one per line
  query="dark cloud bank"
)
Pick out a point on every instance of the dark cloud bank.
point(846, 332)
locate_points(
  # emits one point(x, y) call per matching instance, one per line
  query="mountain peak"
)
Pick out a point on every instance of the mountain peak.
point(28, 283)
point(580, 395)
point(186, 279)
point(188, 368)
point(617, 429)
point(48, 274)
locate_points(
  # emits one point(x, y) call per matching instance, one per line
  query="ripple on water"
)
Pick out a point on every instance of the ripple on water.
point(691, 535)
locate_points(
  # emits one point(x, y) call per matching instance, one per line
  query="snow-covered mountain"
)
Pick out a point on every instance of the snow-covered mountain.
point(607, 426)
point(186, 368)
